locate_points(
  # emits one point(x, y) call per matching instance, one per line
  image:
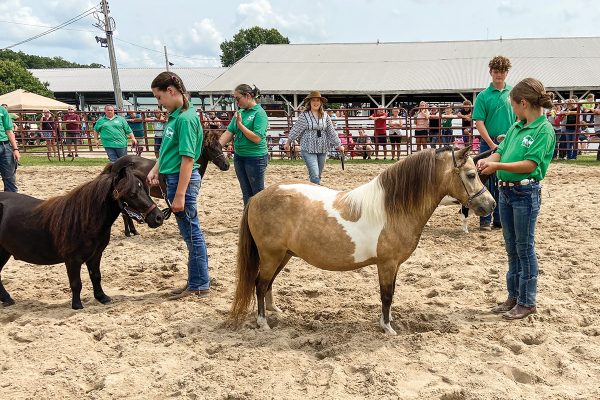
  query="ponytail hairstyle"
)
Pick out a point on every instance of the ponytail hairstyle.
point(166, 79)
point(246, 89)
point(533, 92)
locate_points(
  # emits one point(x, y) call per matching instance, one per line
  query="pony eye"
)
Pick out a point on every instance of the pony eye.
point(471, 175)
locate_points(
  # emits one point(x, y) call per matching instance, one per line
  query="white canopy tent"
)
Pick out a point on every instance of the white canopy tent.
point(22, 100)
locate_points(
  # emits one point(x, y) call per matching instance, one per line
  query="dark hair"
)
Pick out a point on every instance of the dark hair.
point(246, 89)
point(166, 79)
point(533, 91)
point(500, 63)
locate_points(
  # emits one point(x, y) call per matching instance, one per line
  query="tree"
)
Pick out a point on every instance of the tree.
point(247, 40)
point(37, 62)
point(14, 76)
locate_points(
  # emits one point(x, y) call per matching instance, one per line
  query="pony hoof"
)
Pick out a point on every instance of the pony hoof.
point(274, 308)
point(8, 302)
point(262, 324)
point(104, 299)
point(77, 306)
point(387, 328)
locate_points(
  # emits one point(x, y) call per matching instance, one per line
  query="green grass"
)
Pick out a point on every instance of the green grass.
point(586, 160)
point(28, 160)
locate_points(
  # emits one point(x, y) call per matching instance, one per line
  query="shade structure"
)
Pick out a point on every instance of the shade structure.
point(22, 100)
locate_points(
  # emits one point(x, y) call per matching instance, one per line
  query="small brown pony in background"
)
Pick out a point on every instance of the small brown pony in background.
point(379, 223)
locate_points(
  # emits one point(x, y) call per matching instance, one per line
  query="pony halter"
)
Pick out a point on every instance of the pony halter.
point(139, 216)
point(457, 172)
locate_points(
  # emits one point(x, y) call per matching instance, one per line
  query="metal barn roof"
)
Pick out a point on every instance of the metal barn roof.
point(84, 80)
point(418, 67)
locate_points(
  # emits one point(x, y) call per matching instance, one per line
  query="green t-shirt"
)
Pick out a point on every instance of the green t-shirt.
point(446, 122)
point(113, 132)
point(256, 120)
point(533, 142)
point(6, 124)
point(492, 106)
point(182, 136)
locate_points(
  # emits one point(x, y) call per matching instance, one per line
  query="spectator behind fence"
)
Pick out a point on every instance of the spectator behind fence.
point(447, 133)
point(434, 126)
point(212, 121)
point(587, 109)
point(522, 160)
point(72, 124)
point(315, 131)
point(568, 146)
point(380, 131)
point(136, 123)
point(48, 132)
point(493, 116)
point(157, 125)
point(421, 119)
point(396, 123)
point(9, 152)
point(363, 145)
point(248, 129)
point(466, 114)
point(113, 130)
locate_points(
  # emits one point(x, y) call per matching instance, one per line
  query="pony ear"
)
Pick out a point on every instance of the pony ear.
point(463, 153)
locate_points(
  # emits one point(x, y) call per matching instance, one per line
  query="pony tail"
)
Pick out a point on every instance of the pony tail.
point(255, 92)
point(247, 270)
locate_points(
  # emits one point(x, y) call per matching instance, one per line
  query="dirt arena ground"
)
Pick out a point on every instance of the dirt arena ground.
point(327, 343)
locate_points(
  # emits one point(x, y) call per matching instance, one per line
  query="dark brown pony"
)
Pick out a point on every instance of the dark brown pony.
point(74, 228)
point(212, 151)
point(379, 223)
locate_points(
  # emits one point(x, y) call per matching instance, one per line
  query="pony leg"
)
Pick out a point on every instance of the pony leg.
point(4, 296)
point(267, 271)
point(129, 226)
point(74, 274)
point(387, 284)
point(464, 212)
point(93, 266)
point(269, 295)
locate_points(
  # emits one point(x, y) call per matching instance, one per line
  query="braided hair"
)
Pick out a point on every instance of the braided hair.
point(166, 79)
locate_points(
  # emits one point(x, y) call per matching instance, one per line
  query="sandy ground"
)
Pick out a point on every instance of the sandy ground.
point(327, 343)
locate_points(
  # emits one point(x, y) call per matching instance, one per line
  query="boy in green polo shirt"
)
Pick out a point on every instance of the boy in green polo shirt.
point(522, 160)
point(493, 116)
point(9, 152)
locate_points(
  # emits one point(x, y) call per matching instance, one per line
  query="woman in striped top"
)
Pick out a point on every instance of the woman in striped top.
point(314, 129)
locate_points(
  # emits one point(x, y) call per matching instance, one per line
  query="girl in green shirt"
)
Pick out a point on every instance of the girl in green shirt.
point(181, 146)
point(248, 129)
point(521, 161)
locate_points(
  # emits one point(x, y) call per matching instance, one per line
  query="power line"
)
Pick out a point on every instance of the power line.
point(62, 25)
point(170, 54)
point(44, 26)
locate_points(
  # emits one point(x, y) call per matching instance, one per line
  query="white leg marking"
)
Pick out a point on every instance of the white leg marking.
point(387, 328)
point(262, 323)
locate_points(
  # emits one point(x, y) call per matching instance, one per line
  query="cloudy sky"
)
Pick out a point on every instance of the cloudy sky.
point(192, 30)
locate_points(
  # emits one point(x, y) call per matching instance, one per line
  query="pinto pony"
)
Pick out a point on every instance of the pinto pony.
point(379, 223)
point(74, 228)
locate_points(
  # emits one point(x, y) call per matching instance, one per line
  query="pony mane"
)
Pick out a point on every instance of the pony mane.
point(408, 183)
point(75, 214)
point(367, 201)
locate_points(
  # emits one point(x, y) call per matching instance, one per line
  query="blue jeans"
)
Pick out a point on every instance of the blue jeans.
point(568, 145)
point(189, 227)
point(447, 136)
point(250, 172)
point(315, 162)
point(519, 208)
point(8, 167)
point(492, 186)
point(114, 153)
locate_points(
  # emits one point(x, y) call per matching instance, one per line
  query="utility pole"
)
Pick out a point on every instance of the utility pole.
point(108, 25)
point(166, 58)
